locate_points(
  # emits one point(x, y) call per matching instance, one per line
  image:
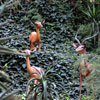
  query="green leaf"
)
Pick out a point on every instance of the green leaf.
point(48, 71)
point(98, 12)
point(6, 50)
point(94, 11)
point(3, 86)
point(51, 96)
point(54, 74)
point(35, 87)
point(93, 27)
point(67, 98)
point(63, 88)
point(5, 76)
point(56, 94)
point(3, 96)
point(33, 79)
point(45, 89)
point(10, 37)
point(90, 11)
point(86, 13)
point(40, 96)
point(10, 94)
point(54, 85)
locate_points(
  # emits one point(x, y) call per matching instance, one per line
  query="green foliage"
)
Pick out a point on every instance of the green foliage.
point(36, 17)
point(7, 94)
point(10, 37)
point(97, 51)
point(92, 82)
point(85, 29)
point(86, 98)
point(6, 50)
point(46, 88)
point(6, 65)
point(32, 11)
point(93, 11)
point(67, 98)
point(5, 77)
point(33, 15)
point(25, 18)
point(88, 30)
point(63, 96)
point(60, 20)
point(23, 96)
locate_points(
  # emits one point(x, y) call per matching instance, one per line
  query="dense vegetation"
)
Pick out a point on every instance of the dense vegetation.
point(62, 20)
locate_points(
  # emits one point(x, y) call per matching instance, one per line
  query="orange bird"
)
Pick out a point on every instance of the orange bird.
point(85, 67)
point(31, 69)
point(34, 37)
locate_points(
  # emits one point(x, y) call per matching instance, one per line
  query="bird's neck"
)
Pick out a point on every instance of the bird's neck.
point(28, 65)
point(38, 32)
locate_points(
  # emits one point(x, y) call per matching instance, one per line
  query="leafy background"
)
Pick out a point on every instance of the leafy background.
point(57, 36)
